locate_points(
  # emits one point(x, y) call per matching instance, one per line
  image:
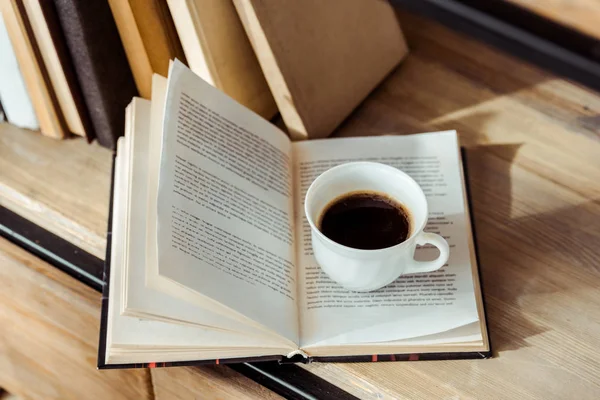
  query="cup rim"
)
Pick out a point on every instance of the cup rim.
point(316, 230)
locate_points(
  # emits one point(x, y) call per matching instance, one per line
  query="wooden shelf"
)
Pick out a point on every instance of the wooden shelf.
point(532, 154)
point(49, 335)
point(61, 185)
point(49, 326)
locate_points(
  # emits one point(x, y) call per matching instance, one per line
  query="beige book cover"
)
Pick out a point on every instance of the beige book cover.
point(32, 68)
point(218, 50)
point(149, 38)
point(322, 58)
point(47, 33)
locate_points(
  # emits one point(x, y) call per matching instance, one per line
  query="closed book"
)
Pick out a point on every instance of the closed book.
point(15, 100)
point(32, 68)
point(57, 61)
point(149, 38)
point(100, 64)
point(218, 50)
point(322, 58)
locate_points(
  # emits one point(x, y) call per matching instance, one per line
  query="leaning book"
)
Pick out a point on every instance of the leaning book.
point(209, 256)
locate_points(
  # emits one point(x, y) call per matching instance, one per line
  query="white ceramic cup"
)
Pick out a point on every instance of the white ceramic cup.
point(366, 270)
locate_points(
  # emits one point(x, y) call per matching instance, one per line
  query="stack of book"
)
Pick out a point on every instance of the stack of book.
point(70, 67)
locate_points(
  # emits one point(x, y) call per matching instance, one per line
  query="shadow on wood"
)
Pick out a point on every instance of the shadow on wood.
point(526, 254)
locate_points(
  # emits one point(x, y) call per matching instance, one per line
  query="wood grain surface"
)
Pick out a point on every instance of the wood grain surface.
point(49, 335)
point(48, 345)
point(61, 186)
point(207, 383)
point(581, 15)
point(533, 158)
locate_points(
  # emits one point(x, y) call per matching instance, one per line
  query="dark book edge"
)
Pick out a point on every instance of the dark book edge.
point(60, 44)
point(100, 63)
point(106, 275)
point(463, 152)
point(298, 358)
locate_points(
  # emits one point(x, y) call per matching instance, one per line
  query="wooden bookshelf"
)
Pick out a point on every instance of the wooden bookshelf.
point(532, 145)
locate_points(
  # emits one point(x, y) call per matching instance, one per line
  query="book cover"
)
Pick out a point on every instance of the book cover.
point(149, 38)
point(57, 61)
point(218, 50)
point(322, 58)
point(32, 69)
point(100, 64)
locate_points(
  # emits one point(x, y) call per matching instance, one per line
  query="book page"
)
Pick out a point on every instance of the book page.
point(464, 338)
point(137, 298)
point(225, 204)
point(153, 338)
point(413, 305)
point(141, 285)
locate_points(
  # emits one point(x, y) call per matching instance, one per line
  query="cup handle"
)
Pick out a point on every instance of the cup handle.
point(416, 267)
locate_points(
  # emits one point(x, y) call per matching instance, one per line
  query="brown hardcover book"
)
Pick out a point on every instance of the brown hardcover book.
point(149, 38)
point(218, 50)
point(322, 58)
point(32, 67)
point(51, 43)
point(100, 64)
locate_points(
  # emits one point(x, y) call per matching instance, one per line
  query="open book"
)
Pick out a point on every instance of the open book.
point(210, 255)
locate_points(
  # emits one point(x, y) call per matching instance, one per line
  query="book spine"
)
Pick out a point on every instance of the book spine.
point(100, 64)
point(60, 44)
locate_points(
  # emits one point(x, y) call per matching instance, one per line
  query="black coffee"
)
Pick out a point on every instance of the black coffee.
point(365, 220)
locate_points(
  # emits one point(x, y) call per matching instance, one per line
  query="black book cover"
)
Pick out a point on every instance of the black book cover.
point(283, 360)
point(100, 64)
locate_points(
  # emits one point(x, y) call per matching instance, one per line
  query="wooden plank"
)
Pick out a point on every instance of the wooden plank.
point(581, 15)
point(206, 382)
point(60, 186)
point(532, 158)
point(49, 334)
